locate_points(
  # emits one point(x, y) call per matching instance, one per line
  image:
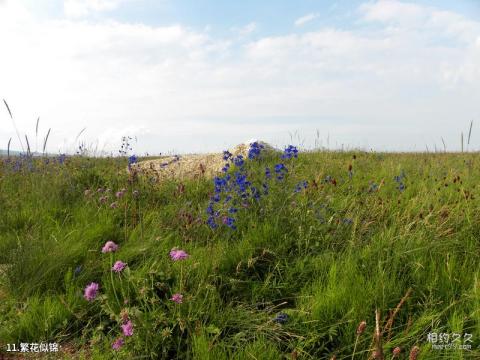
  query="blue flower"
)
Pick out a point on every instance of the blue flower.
point(232, 210)
point(216, 198)
point(230, 222)
point(268, 175)
point(254, 150)
point(265, 189)
point(281, 318)
point(300, 186)
point(77, 270)
point(226, 155)
point(226, 167)
point(210, 210)
point(238, 161)
point(132, 160)
point(280, 170)
point(289, 152)
point(61, 158)
point(211, 222)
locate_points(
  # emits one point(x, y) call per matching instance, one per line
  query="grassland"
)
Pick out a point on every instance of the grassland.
point(370, 233)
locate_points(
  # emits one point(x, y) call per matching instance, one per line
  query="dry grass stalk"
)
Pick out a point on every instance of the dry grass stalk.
point(389, 324)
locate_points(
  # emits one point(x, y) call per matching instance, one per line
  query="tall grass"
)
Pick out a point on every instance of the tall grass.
point(404, 259)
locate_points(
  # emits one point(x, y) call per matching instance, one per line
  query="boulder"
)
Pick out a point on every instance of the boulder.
point(192, 166)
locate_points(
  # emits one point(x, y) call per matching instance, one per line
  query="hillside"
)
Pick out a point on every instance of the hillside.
point(282, 257)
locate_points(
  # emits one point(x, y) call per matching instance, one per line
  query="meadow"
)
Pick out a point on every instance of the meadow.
point(305, 255)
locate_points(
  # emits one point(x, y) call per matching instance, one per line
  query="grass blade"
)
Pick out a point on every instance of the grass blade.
point(8, 148)
point(470, 132)
point(13, 121)
point(45, 141)
point(28, 145)
point(80, 133)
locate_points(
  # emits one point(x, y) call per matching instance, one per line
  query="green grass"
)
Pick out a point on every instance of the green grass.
point(328, 257)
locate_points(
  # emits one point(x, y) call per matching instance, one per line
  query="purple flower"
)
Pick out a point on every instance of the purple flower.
point(119, 194)
point(177, 255)
point(127, 328)
point(91, 291)
point(117, 344)
point(109, 246)
point(113, 205)
point(118, 266)
point(178, 298)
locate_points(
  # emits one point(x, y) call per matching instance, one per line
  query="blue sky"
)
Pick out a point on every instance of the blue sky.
point(190, 76)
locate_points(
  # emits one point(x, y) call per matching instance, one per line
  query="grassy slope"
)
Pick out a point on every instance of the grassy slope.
point(328, 257)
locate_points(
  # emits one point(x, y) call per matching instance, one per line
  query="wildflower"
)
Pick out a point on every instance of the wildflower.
point(113, 205)
point(132, 160)
point(401, 187)
point(135, 194)
point(87, 192)
point(230, 222)
point(268, 175)
point(216, 198)
point(109, 246)
point(396, 352)
point(226, 167)
point(118, 266)
point(265, 189)
point(119, 194)
point(300, 186)
point(232, 210)
point(91, 291)
point(280, 170)
point(361, 327)
point(61, 158)
point(117, 344)
point(177, 298)
point(77, 270)
point(127, 328)
point(210, 210)
point(100, 190)
point(254, 150)
point(289, 152)
point(414, 353)
point(211, 222)
point(103, 199)
point(281, 318)
point(177, 255)
point(226, 155)
point(124, 314)
point(238, 161)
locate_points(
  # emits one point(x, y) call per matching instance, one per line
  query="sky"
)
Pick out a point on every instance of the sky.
point(183, 76)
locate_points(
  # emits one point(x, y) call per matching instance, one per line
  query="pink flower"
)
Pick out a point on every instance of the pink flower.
point(178, 298)
point(127, 328)
point(176, 254)
point(109, 246)
point(91, 291)
point(118, 266)
point(117, 344)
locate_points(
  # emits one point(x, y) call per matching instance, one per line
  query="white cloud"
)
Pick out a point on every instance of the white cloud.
point(246, 30)
point(185, 89)
point(306, 19)
point(80, 8)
